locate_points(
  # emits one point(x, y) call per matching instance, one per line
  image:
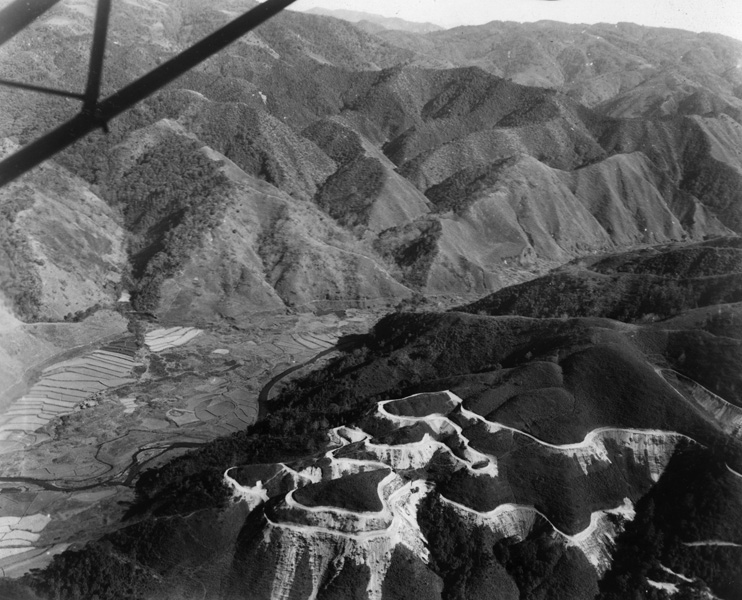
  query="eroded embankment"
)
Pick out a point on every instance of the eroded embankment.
point(326, 533)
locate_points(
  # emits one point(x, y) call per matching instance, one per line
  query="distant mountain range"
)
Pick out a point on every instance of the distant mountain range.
point(374, 23)
point(571, 430)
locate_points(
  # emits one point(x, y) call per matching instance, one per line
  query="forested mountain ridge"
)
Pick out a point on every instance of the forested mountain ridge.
point(440, 150)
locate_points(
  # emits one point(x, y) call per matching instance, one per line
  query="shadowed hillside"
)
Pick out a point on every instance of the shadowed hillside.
point(648, 284)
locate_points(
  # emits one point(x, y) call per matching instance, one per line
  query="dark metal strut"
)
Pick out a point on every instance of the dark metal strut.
point(41, 88)
point(97, 51)
point(97, 114)
point(20, 14)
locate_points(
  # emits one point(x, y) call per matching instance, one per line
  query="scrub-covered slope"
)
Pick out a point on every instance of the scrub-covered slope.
point(623, 70)
point(428, 163)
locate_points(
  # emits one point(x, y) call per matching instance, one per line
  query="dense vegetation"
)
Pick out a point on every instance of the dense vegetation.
point(19, 281)
point(341, 144)
point(413, 248)
point(460, 555)
point(357, 492)
point(473, 562)
point(349, 194)
point(627, 289)
point(97, 572)
point(722, 256)
point(170, 198)
point(235, 131)
point(698, 499)
point(460, 190)
point(544, 568)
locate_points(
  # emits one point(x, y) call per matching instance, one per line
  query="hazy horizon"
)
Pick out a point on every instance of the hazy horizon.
point(716, 16)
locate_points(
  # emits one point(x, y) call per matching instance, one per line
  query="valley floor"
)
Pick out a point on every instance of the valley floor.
point(75, 437)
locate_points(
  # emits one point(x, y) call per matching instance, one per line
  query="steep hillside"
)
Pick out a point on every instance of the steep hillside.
point(649, 284)
point(365, 193)
point(697, 156)
point(63, 249)
point(453, 454)
point(243, 246)
point(25, 347)
point(437, 169)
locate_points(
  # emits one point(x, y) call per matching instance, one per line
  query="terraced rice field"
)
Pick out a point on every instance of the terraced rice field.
point(177, 400)
point(64, 386)
point(17, 534)
point(160, 340)
point(18, 544)
point(227, 407)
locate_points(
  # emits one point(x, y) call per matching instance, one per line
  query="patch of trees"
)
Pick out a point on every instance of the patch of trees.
point(349, 583)
point(19, 279)
point(91, 157)
point(96, 572)
point(88, 158)
point(81, 315)
point(12, 589)
point(710, 360)
point(461, 189)
point(544, 568)
point(236, 131)
point(413, 251)
point(696, 261)
point(726, 322)
point(413, 303)
point(170, 198)
point(697, 499)
point(408, 577)
point(356, 492)
point(471, 92)
point(473, 562)
point(459, 552)
point(348, 195)
point(341, 144)
point(624, 297)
